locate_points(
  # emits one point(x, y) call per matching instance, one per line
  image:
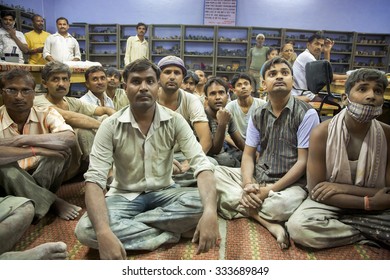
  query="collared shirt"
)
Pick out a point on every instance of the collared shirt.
point(7, 43)
point(120, 99)
point(143, 162)
point(299, 71)
point(90, 98)
point(136, 49)
point(40, 121)
point(280, 137)
point(36, 40)
point(74, 105)
point(240, 118)
point(61, 48)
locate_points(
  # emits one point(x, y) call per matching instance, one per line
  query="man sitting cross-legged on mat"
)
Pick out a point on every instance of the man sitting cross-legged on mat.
point(281, 129)
point(144, 208)
point(35, 147)
point(348, 172)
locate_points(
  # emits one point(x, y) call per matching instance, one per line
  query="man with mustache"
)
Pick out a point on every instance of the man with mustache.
point(144, 208)
point(61, 46)
point(80, 115)
point(270, 188)
point(316, 44)
point(10, 38)
point(35, 146)
point(188, 105)
point(36, 40)
point(96, 83)
point(137, 46)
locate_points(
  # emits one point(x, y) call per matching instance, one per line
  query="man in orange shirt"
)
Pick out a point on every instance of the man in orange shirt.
point(34, 147)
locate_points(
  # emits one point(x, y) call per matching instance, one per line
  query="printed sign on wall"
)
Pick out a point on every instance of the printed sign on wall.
point(220, 12)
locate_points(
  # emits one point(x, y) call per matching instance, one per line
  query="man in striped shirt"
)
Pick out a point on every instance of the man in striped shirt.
point(271, 188)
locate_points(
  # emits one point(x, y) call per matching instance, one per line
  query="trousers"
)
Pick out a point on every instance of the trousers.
point(148, 221)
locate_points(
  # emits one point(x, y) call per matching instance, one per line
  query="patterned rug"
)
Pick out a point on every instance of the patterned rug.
point(242, 239)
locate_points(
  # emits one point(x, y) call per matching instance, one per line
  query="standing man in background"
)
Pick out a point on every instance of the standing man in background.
point(61, 46)
point(257, 57)
point(36, 40)
point(137, 46)
point(11, 40)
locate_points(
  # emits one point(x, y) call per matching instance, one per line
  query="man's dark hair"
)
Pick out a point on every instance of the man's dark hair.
point(140, 65)
point(112, 71)
point(238, 76)
point(365, 74)
point(93, 69)
point(142, 24)
point(8, 13)
point(62, 18)
point(54, 67)
point(191, 74)
point(315, 36)
point(36, 16)
point(272, 62)
point(215, 80)
point(16, 73)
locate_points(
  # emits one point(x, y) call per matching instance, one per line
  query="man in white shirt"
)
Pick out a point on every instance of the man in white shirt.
point(137, 46)
point(11, 40)
point(61, 46)
point(315, 46)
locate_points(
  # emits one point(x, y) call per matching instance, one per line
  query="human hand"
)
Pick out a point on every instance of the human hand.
point(223, 116)
point(328, 45)
point(381, 200)
point(250, 198)
point(40, 151)
point(207, 233)
point(324, 190)
point(179, 168)
point(110, 247)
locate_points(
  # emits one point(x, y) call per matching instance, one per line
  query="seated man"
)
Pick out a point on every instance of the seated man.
point(34, 147)
point(117, 94)
point(96, 83)
point(144, 208)
point(222, 125)
point(270, 189)
point(16, 215)
point(186, 104)
point(190, 82)
point(79, 115)
point(243, 107)
point(348, 172)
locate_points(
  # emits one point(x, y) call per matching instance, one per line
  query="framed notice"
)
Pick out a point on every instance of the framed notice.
point(220, 12)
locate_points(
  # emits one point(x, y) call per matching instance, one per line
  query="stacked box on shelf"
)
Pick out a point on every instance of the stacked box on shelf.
point(198, 48)
point(104, 44)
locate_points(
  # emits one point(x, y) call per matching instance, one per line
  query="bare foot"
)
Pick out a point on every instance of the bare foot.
point(46, 251)
point(65, 210)
point(277, 230)
point(281, 235)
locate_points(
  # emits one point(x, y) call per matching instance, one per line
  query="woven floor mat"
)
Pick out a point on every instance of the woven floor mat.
point(242, 239)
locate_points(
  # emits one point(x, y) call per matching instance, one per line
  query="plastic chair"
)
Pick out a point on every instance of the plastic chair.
point(319, 74)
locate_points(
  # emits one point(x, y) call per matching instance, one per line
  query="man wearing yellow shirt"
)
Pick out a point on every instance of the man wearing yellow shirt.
point(36, 40)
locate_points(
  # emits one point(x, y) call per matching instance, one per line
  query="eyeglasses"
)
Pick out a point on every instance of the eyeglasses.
point(15, 92)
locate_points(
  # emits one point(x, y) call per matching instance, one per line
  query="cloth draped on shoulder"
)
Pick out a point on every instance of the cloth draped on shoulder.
point(371, 167)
